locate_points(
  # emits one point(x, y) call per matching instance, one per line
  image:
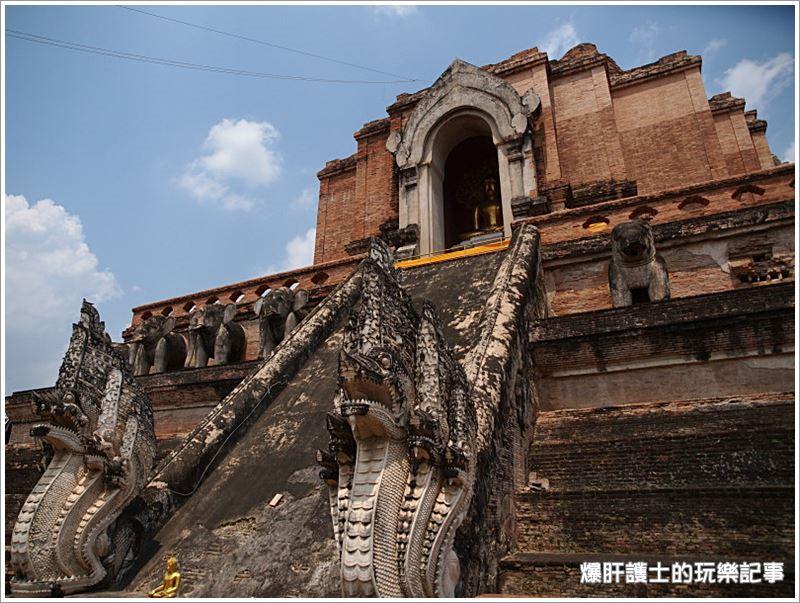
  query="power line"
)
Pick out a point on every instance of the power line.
point(265, 43)
point(29, 37)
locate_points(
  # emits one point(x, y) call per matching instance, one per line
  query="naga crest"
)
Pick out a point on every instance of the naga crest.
point(398, 462)
point(99, 429)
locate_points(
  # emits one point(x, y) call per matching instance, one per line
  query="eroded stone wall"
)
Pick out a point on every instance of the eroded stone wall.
point(690, 481)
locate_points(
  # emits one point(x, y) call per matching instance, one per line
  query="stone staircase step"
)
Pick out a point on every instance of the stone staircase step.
point(722, 520)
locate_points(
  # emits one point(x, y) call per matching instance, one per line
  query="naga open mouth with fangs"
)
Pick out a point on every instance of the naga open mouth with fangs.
point(69, 535)
point(376, 389)
point(398, 464)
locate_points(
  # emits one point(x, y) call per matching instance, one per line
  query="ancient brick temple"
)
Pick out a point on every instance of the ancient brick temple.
point(549, 324)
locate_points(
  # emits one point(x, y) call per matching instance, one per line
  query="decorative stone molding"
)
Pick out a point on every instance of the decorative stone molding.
point(70, 534)
point(753, 123)
point(590, 193)
point(558, 194)
point(357, 247)
point(399, 464)
point(525, 207)
point(465, 101)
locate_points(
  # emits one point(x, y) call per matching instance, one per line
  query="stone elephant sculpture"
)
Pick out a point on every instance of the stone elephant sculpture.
point(278, 314)
point(154, 345)
point(214, 334)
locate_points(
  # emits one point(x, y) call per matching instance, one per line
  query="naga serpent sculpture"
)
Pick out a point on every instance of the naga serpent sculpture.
point(69, 535)
point(399, 465)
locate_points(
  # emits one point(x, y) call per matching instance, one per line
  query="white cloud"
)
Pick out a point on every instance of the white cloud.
point(49, 270)
point(205, 188)
point(395, 10)
point(790, 153)
point(757, 82)
point(298, 253)
point(239, 154)
point(560, 40)
point(713, 46)
point(300, 250)
point(644, 38)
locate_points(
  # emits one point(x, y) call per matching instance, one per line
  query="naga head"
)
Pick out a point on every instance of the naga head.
point(375, 384)
point(61, 408)
point(98, 425)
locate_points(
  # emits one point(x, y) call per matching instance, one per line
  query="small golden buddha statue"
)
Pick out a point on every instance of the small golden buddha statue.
point(490, 207)
point(172, 581)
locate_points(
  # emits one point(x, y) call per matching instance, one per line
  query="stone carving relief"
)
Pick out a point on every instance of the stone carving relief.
point(214, 334)
point(398, 465)
point(154, 345)
point(462, 101)
point(636, 273)
point(279, 312)
point(70, 534)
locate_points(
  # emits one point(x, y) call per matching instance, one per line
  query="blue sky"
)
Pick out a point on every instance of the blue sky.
point(165, 181)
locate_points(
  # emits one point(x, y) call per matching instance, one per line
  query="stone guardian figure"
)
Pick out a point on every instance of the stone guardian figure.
point(636, 274)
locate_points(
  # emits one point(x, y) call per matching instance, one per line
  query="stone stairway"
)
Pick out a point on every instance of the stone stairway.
point(679, 482)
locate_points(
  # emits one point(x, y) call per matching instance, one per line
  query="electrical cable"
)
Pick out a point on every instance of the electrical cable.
point(265, 43)
point(29, 37)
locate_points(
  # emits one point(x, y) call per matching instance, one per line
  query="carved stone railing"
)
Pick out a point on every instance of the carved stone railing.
point(425, 454)
point(179, 474)
point(244, 294)
point(500, 375)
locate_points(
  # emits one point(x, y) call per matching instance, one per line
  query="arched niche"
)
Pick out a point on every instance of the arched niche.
point(464, 102)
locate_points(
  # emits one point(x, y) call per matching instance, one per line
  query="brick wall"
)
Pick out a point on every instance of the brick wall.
point(357, 194)
point(729, 143)
point(667, 132)
point(339, 220)
point(588, 142)
point(699, 480)
point(724, 344)
point(762, 149)
point(705, 199)
point(376, 181)
point(651, 126)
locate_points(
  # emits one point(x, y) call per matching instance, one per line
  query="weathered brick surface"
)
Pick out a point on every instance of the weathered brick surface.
point(763, 151)
point(722, 522)
point(588, 141)
point(668, 445)
point(729, 143)
point(701, 480)
point(652, 124)
point(734, 343)
point(336, 196)
point(570, 224)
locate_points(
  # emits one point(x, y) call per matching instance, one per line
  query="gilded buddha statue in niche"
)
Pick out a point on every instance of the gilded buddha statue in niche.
point(486, 214)
point(490, 210)
point(172, 581)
